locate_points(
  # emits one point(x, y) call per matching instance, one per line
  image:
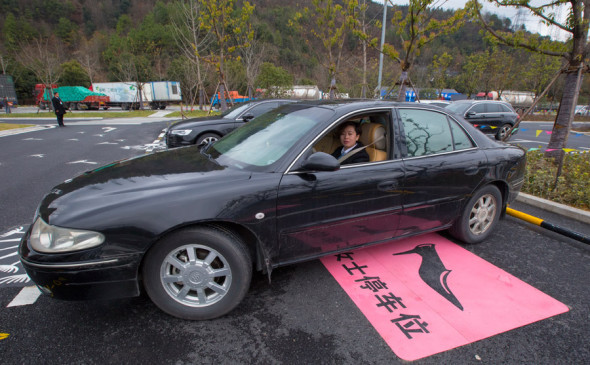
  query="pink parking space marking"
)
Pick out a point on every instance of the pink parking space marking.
point(426, 295)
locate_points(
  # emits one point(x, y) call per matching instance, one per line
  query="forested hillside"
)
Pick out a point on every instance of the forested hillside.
point(115, 40)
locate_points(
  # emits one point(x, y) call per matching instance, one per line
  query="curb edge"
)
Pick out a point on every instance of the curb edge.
point(575, 213)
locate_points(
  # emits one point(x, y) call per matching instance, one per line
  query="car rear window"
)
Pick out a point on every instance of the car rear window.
point(494, 108)
point(426, 132)
point(458, 108)
point(507, 109)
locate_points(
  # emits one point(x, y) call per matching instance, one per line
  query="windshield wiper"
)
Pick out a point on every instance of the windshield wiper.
point(204, 150)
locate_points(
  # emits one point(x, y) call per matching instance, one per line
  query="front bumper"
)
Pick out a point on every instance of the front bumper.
point(76, 278)
point(97, 281)
point(173, 140)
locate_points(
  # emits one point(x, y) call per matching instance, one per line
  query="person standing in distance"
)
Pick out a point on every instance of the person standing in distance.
point(59, 109)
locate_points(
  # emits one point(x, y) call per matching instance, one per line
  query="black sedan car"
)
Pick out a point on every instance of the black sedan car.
point(204, 130)
point(191, 224)
point(489, 116)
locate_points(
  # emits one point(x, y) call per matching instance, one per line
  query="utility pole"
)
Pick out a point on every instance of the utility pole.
point(378, 91)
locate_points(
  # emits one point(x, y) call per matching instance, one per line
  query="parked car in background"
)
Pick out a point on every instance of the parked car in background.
point(489, 116)
point(191, 224)
point(205, 130)
point(441, 103)
point(582, 110)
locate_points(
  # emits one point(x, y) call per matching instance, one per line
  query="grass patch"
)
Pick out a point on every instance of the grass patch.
point(7, 126)
point(573, 185)
point(192, 114)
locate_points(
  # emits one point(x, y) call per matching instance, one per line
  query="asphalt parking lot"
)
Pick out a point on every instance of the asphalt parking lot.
point(304, 315)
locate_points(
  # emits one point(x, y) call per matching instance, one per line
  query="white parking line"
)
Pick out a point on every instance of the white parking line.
point(12, 132)
point(157, 143)
point(28, 295)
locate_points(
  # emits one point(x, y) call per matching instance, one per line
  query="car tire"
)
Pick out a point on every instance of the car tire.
point(503, 131)
point(206, 139)
point(480, 216)
point(198, 273)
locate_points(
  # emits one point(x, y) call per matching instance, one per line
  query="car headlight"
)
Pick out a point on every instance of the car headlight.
point(181, 132)
point(51, 239)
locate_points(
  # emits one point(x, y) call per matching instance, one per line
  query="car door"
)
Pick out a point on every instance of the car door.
point(495, 115)
point(443, 167)
point(327, 211)
point(476, 114)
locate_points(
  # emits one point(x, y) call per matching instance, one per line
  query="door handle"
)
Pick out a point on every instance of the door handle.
point(387, 185)
point(471, 170)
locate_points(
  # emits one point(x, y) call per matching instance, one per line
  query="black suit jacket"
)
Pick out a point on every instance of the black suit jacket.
point(360, 156)
point(58, 105)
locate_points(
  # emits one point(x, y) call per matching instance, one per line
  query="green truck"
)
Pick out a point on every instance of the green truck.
point(74, 97)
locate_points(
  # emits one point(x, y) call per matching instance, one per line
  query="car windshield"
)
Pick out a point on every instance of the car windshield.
point(458, 108)
point(235, 111)
point(267, 138)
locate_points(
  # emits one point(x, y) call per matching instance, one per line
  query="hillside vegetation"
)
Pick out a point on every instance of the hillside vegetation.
point(90, 38)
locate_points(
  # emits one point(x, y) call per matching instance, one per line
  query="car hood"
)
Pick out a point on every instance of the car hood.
point(193, 122)
point(158, 176)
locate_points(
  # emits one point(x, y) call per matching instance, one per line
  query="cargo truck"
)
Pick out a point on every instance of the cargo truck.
point(74, 97)
point(127, 95)
point(231, 97)
point(7, 92)
point(161, 93)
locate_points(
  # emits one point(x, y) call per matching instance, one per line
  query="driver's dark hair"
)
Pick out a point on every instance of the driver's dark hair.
point(356, 126)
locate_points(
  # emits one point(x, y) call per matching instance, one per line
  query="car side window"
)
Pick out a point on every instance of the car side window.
point(478, 108)
point(375, 135)
point(426, 132)
point(262, 108)
point(461, 140)
point(494, 108)
point(506, 109)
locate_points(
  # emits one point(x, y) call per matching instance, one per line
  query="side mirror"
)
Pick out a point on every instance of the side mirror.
point(469, 114)
point(247, 117)
point(320, 161)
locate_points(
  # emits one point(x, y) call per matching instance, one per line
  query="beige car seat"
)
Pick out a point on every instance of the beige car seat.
point(374, 132)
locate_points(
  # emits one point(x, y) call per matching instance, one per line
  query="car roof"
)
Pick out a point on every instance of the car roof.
point(344, 104)
point(257, 101)
point(475, 101)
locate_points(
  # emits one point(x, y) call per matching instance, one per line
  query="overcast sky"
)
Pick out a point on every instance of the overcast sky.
point(530, 21)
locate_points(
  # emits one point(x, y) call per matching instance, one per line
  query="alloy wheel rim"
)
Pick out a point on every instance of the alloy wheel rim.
point(196, 275)
point(504, 132)
point(208, 140)
point(482, 214)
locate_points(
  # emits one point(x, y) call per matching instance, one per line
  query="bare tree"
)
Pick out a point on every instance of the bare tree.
point(225, 24)
point(329, 23)
point(363, 24)
point(43, 57)
point(416, 29)
point(192, 40)
point(3, 63)
point(574, 52)
point(252, 56)
point(88, 55)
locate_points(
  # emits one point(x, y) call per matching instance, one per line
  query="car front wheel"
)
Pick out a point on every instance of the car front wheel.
point(206, 139)
point(198, 273)
point(480, 216)
point(503, 131)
